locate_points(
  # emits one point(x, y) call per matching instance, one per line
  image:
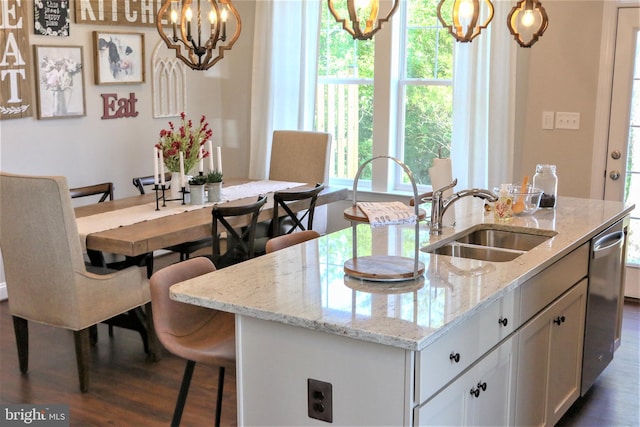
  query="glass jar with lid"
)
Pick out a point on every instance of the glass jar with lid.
point(546, 180)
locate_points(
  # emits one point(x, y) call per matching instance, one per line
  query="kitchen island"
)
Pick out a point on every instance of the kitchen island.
point(414, 352)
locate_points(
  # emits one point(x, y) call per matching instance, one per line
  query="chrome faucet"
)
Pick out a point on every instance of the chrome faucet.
point(439, 204)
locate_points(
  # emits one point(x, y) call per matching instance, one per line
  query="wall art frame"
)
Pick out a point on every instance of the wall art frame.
point(118, 58)
point(59, 81)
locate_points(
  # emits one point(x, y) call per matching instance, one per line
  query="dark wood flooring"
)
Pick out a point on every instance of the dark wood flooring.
point(126, 390)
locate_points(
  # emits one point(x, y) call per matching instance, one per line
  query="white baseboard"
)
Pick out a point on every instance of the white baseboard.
point(3, 291)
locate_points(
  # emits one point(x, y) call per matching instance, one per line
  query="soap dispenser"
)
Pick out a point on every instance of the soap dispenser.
point(503, 209)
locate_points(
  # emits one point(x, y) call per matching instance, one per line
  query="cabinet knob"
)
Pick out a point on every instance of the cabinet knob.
point(482, 386)
point(455, 357)
point(475, 392)
point(503, 321)
point(558, 320)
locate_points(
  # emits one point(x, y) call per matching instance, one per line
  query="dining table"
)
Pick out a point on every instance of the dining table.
point(136, 239)
point(146, 236)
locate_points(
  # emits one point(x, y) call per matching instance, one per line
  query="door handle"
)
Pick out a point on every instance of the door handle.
point(614, 175)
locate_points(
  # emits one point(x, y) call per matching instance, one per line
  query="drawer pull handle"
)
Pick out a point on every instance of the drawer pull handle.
point(503, 321)
point(482, 386)
point(455, 357)
point(475, 392)
point(559, 320)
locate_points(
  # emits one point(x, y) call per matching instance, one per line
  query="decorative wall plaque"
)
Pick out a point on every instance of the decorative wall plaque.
point(51, 17)
point(135, 13)
point(15, 62)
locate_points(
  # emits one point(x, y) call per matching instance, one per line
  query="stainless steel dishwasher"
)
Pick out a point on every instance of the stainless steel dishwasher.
point(606, 277)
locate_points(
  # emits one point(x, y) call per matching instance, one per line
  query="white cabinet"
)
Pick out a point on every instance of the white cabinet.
point(550, 360)
point(482, 396)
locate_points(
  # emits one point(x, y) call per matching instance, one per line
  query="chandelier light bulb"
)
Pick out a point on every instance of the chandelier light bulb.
point(188, 14)
point(528, 18)
point(466, 10)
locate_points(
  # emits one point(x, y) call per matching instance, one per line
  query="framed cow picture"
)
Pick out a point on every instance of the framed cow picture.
point(119, 58)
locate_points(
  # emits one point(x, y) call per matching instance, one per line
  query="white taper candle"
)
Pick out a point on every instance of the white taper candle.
point(219, 152)
point(210, 150)
point(162, 181)
point(155, 165)
point(181, 154)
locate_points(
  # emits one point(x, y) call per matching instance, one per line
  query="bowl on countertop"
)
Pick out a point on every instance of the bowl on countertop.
point(531, 198)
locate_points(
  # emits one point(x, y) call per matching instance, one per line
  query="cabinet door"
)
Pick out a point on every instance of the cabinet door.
point(550, 359)
point(482, 396)
point(565, 359)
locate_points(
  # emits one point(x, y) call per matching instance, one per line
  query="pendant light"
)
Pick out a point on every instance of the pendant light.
point(465, 19)
point(527, 21)
point(360, 18)
point(198, 36)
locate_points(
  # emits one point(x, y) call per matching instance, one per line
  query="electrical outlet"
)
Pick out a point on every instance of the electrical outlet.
point(320, 400)
point(567, 120)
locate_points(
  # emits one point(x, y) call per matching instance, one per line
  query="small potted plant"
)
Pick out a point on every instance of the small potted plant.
point(214, 186)
point(196, 189)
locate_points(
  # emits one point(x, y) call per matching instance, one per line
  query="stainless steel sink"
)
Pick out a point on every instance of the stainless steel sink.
point(505, 239)
point(492, 243)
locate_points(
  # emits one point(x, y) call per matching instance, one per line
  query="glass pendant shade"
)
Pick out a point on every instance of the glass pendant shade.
point(465, 19)
point(527, 21)
point(197, 30)
point(361, 18)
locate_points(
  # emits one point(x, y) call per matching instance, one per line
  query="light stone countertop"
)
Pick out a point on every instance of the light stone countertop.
point(305, 285)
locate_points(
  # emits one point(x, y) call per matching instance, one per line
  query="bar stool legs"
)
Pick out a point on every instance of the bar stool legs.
point(184, 390)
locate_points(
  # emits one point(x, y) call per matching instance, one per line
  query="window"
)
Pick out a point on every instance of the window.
point(411, 95)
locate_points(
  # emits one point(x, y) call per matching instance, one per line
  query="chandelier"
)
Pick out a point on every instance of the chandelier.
point(196, 34)
point(360, 18)
point(527, 21)
point(465, 19)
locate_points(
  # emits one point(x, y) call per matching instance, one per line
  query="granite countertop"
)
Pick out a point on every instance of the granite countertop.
point(306, 286)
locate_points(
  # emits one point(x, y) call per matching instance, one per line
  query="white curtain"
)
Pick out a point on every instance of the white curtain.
point(483, 106)
point(284, 74)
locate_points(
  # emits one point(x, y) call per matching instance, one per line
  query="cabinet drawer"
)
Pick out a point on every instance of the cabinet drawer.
point(459, 348)
point(546, 286)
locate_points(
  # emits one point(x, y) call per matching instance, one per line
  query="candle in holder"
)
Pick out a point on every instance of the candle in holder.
point(162, 182)
point(219, 152)
point(210, 149)
point(155, 165)
point(181, 169)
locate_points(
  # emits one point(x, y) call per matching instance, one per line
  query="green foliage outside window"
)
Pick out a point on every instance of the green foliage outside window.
point(345, 93)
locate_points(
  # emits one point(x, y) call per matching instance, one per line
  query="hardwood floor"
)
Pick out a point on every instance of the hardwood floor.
point(614, 399)
point(126, 390)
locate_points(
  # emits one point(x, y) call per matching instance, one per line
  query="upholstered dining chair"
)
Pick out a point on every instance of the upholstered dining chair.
point(240, 243)
point(197, 334)
point(286, 240)
point(300, 156)
point(184, 249)
point(47, 281)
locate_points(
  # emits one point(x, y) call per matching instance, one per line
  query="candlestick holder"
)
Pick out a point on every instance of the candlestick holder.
point(161, 195)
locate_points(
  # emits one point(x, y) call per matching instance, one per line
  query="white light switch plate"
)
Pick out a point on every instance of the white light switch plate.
point(547, 120)
point(567, 120)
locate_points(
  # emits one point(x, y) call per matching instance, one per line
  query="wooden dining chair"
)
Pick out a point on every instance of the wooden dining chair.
point(240, 242)
point(286, 240)
point(184, 249)
point(294, 218)
point(104, 190)
point(197, 334)
point(47, 280)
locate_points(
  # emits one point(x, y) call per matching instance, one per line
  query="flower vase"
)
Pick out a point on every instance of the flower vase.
point(197, 194)
point(176, 187)
point(214, 192)
point(59, 103)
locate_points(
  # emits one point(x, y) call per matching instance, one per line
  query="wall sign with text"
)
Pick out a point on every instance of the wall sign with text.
point(140, 13)
point(15, 62)
point(51, 17)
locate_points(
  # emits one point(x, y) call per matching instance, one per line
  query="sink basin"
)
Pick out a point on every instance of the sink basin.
point(490, 243)
point(483, 253)
point(505, 239)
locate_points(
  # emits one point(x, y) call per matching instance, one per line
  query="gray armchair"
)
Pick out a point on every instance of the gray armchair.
point(47, 281)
